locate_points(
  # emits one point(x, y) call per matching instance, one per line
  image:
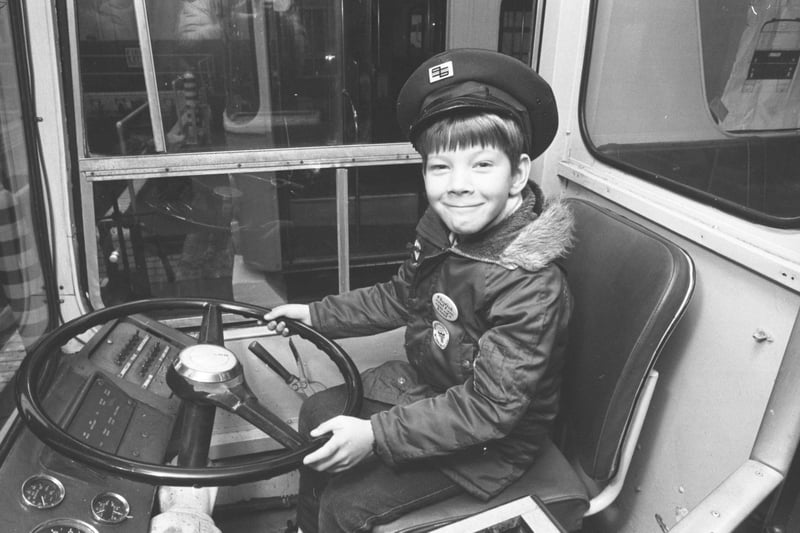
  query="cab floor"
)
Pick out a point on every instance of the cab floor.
point(272, 521)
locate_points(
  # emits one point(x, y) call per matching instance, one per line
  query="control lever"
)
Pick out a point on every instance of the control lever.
point(298, 385)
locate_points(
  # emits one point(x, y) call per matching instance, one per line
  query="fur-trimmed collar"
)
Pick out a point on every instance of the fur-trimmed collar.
point(523, 240)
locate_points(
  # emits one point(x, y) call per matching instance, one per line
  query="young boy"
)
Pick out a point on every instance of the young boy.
point(484, 304)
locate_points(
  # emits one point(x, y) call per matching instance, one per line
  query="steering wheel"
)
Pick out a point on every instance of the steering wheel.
point(206, 375)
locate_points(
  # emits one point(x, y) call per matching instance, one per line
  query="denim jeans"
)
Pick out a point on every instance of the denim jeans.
point(368, 494)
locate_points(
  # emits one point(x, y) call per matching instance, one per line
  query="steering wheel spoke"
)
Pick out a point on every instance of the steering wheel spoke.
point(249, 408)
point(211, 330)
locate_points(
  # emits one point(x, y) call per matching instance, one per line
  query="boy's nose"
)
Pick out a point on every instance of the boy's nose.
point(459, 183)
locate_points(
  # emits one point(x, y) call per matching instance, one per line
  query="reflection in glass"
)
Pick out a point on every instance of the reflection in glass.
point(23, 301)
point(165, 237)
point(251, 74)
point(264, 238)
point(284, 80)
point(112, 80)
point(516, 29)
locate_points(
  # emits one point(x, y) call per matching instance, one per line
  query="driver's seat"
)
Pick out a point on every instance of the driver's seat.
point(631, 287)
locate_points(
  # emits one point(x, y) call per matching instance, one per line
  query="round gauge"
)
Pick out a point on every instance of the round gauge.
point(64, 525)
point(110, 508)
point(42, 491)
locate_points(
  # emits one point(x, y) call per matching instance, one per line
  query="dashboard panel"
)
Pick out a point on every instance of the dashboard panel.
point(111, 394)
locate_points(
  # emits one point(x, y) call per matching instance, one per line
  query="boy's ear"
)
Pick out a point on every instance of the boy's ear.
point(520, 177)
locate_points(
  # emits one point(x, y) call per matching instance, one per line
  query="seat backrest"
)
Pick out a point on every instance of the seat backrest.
point(630, 286)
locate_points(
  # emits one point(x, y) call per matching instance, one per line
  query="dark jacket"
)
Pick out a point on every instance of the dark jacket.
point(486, 323)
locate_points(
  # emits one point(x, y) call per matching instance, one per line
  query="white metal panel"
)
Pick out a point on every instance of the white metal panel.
point(716, 378)
point(51, 126)
point(716, 375)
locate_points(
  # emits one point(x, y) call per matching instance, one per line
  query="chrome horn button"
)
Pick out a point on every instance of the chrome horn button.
point(207, 363)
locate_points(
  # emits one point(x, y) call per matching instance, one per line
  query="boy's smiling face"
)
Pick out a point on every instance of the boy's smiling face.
point(474, 188)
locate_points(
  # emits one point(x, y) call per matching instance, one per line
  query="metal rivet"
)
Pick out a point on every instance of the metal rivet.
point(761, 336)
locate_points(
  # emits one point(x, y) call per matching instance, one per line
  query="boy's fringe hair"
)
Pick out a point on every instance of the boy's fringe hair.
point(469, 129)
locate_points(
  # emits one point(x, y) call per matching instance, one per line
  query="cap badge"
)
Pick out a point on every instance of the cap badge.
point(440, 334)
point(440, 72)
point(444, 306)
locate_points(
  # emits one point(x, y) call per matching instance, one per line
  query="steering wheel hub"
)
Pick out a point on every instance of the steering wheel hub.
point(207, 363)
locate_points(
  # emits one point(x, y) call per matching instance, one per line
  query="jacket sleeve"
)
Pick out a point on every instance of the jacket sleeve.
point(517, 368)
point(364, 311)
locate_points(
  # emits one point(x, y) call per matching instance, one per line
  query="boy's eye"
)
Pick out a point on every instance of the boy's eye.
point(484, 164)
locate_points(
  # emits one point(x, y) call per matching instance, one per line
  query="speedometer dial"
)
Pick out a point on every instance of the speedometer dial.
point(64, 525)
point(42, 491)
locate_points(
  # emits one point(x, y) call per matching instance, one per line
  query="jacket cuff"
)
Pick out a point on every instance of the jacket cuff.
point(316, 318)
point(379, 446)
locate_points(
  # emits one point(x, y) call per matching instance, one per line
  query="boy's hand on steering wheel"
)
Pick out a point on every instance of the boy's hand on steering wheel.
point(350, 444)
point(299, 312)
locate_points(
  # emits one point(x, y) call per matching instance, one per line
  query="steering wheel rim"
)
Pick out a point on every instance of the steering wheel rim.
point(34, 415)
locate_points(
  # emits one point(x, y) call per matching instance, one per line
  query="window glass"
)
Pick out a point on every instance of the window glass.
point(265, 238)
point(23, 302)
point(165, 237)
point(251, 74)
point(385, 205)
point(516, 29)
point(701, 97)
point(112, 80)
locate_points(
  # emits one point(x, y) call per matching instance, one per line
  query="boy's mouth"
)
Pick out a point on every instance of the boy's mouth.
point(462, 206)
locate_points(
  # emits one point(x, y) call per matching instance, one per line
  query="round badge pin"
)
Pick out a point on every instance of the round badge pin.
point(444, 307)
point(441, 336)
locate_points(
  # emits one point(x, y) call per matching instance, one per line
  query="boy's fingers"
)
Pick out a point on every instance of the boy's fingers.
point(319, 457)
point(279, 327)
point(326, 427)
point(317, 431)
point(330, 463)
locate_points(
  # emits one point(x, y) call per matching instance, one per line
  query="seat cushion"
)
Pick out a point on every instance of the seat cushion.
point(551, 478)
